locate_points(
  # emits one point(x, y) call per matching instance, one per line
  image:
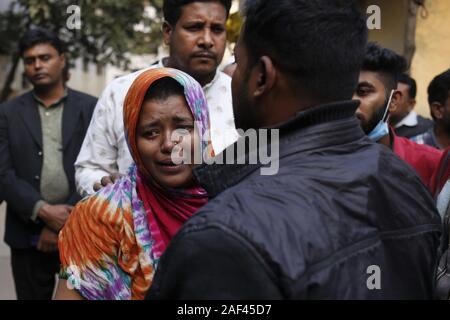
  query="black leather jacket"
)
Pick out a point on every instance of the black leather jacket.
point(344, 218)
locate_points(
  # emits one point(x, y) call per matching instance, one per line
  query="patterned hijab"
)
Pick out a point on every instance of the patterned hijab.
point(193, 93)
point(166, 209)
point(111, 245)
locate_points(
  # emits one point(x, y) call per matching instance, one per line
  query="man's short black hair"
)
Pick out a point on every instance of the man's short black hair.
point(439, 88)
point(164, 88)
point(386, 62)
point(37, 36)
point(172, 8)
point(410, 82)
point(319, 43)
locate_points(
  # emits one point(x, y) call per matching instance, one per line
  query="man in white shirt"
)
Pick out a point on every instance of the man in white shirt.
point(406, 122)
point(195, 32)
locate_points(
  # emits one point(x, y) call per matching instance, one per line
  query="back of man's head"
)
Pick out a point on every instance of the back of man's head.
point(319, 44)
point(410, 82)
point(39, 35)
point(439, 88)
point(388, 64)
point(172, 8)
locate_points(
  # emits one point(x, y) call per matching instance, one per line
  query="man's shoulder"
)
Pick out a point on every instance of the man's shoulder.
point(426, 138)
point(221, 83)
point(117, 195)
point(14, 102)
point(422, 121)
point(257, 203)
point(223, 77)
point(125, 81)
point(417, 149)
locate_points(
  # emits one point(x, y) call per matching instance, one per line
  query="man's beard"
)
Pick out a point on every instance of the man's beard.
point(46, 87)
point(376, 118)
point(243, 109)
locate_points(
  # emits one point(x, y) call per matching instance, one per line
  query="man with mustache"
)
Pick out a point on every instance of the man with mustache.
point(195, 32)
point(379, 96)
point(41, 133)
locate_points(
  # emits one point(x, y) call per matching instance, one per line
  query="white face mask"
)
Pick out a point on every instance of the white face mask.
point(382, 128)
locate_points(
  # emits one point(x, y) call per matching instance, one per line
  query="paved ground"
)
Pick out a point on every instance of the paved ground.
point(6, 282)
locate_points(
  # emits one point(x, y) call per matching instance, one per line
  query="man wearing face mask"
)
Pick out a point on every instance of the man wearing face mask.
point(377, 91)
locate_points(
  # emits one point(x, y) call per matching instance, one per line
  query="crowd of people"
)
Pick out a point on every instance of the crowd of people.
point(93, 192)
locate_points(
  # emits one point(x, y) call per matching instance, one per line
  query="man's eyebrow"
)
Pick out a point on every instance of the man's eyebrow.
point(202, 21)
point(366, 84)
point(194, 22)
point(39, 56)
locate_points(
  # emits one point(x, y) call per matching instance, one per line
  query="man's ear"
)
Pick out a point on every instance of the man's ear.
point(266, 76)
point(62, 57)
point(167, 32)
point(437, 110)
point(396, 98)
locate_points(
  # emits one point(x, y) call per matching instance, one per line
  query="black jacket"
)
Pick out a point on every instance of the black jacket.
point(338, 206)
point(21, 158)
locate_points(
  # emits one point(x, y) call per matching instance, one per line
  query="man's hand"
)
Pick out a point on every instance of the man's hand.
point(48, 241)
point(107, 180)
point(55, 216)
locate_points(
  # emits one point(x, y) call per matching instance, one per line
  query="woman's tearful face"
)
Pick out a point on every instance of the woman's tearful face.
point(158, 121)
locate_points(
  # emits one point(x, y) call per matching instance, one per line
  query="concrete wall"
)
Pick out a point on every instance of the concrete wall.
point(7, 291)
point(432, 55)
point(432, 48)
point(393, 23)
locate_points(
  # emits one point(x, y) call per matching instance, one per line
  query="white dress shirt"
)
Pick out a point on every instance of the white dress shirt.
point(410, 120)
point(105, 151)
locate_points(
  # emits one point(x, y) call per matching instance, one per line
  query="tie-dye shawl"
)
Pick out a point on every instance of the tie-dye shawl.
point(106, 248)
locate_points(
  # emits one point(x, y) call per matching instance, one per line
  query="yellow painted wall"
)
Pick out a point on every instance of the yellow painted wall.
point(432, 49)
point(393, 24)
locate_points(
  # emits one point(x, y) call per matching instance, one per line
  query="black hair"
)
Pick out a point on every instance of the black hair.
point(37, 36)
point(164, 88)
point(386, 62)
point(410, 82)
point(439, 88)
point(319, 43)
point(172, 8)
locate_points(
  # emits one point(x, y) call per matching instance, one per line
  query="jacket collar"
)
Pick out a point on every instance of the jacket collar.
point(409, 121)
point(321, 126)
point(54, 104)
point(30, 115)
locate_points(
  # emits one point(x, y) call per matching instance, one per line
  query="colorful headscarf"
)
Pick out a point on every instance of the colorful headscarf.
point(112, 242)
point(193, 93)
point(166, 209)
